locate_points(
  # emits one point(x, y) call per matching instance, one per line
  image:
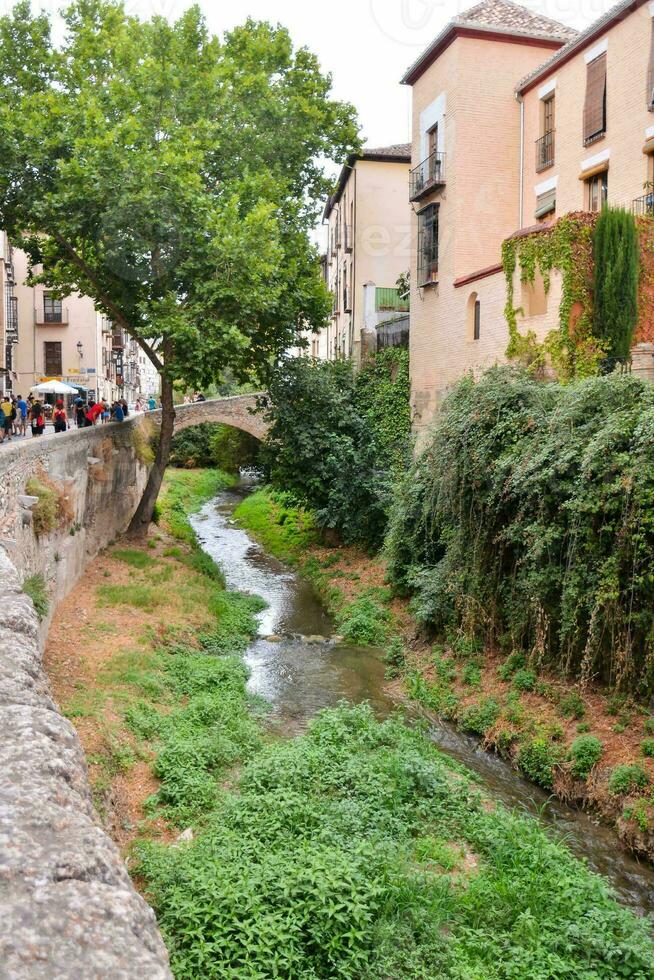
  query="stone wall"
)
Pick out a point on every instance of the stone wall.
point(67, 905)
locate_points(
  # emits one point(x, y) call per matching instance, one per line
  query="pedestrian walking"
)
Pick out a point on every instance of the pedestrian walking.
point(6, 411)
point(118, 413)
point(14, 416)
point(152, 404)
point(21, 408)
point(59, 417)
point(138, 407)
point(125, 406)
point(37, 418)
point(105, 415)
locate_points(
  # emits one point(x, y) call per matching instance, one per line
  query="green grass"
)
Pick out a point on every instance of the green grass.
point(359, 851)
point(134, 558)
point(183, 493)
point(35, 587)
point(278, 523)
point(135, 595)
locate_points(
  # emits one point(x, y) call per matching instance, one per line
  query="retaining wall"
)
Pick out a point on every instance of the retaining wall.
point(68, 908)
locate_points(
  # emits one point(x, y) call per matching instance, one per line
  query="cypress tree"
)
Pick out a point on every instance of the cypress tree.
point(615, 293)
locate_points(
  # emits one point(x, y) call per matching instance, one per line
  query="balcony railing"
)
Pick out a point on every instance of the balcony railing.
point(427, 176)
point(545, 151)
point(51, 318)
point(644, 205)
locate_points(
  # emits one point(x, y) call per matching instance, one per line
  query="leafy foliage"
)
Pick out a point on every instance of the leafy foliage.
point(627, 778)
point(364, 622)
point(276, 520)
point(585, 752)
point(528, 519)
point(130, 174)
point(538, 758)
point(214, 445)
point(36, 588)
point(358, 850)
point(616, 279)
point(338, 441)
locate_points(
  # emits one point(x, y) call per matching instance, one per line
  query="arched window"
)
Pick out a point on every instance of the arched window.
point(473, 317)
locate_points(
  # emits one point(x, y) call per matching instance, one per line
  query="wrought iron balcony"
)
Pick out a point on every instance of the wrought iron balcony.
point(427, 176)
point(545, 151)
point(51, 318)
point(644, 205)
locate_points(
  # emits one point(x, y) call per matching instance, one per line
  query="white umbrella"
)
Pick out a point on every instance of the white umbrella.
point(54, 388)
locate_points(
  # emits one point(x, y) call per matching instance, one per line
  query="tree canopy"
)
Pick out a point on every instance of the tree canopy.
point(171, 176)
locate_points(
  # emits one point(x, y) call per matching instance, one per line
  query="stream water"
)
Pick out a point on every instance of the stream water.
point(298, 669)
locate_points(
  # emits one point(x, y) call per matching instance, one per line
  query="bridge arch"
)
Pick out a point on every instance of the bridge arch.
point(235, 410)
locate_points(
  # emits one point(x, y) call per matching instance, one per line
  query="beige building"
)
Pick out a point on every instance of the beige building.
point(517, 120)
point(70, 340)
point(8, 316)
point(369, 247)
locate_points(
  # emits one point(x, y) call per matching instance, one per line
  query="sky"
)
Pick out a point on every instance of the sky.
point(365, 44)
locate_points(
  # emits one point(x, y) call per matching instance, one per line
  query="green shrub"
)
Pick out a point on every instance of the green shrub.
point(479, 718)
point(515, 661)
point(585, 752)
point(647, 747)
point(627, 778)
point(616, 278)
point(649, 725)
point(364, 622)
point(36, 588)
point(394, 658)
point(338, 440)
point(538, 759)
point(572, 706)
point(284, 527)
point(46, 512)
point(471, 675)
point(524, 680)
point(494, 530)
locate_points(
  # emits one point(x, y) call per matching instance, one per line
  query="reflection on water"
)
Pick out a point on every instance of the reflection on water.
point(296, 665)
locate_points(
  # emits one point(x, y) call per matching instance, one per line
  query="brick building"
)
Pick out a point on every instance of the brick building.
point(517, 120)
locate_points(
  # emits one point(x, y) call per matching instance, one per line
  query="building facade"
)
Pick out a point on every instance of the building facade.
point(68, 339)
point(8, 316)
point(517, 120)
point(368, 249)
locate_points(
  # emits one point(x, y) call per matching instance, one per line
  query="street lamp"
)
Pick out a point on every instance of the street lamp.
point(80, 349)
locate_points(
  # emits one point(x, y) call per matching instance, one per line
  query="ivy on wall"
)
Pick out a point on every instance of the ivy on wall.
point(566, 246)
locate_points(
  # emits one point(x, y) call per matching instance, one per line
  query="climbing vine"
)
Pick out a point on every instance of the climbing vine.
point(567, 246)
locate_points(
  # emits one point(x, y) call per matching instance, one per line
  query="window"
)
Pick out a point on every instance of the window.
point(427, 244)
point(598, 189)
point(595, 102)
point(432, 140)
point(545, 145)
point(51, 309)
point(650, 74)
point(52, 357)
point(473, 317)
point(545, 203)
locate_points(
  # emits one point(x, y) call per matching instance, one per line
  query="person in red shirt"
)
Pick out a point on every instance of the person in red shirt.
point(59, 417)
point(94, 412)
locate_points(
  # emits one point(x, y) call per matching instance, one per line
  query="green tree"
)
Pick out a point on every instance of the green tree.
point(172, 177)
point(617, 268)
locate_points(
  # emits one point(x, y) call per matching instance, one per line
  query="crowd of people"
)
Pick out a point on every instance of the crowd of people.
point(18, 413)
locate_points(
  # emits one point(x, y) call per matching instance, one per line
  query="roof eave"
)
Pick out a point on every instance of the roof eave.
point(456, 29)
point(578, 44)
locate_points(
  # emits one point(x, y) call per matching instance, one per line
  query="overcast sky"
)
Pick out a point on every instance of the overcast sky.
point(365, 44)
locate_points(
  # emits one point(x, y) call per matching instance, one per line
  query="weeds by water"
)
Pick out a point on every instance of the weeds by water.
point(359, 851)
point(275, 519)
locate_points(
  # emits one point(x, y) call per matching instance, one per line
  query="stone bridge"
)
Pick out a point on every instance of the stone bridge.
point(238, 411)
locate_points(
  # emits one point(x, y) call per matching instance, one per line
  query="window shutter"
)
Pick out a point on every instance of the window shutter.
point(545, 203)
point(650, 73)
point(595, 103)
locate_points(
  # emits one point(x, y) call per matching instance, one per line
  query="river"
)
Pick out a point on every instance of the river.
point(297, 667)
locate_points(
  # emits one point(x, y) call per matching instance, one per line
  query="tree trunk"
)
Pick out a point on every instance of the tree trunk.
point(140, 522)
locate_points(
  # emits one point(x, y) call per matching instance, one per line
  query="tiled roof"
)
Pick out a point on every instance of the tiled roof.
point(398, 150)
point(494, 16)
point(505, 15)
point(581, 40)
